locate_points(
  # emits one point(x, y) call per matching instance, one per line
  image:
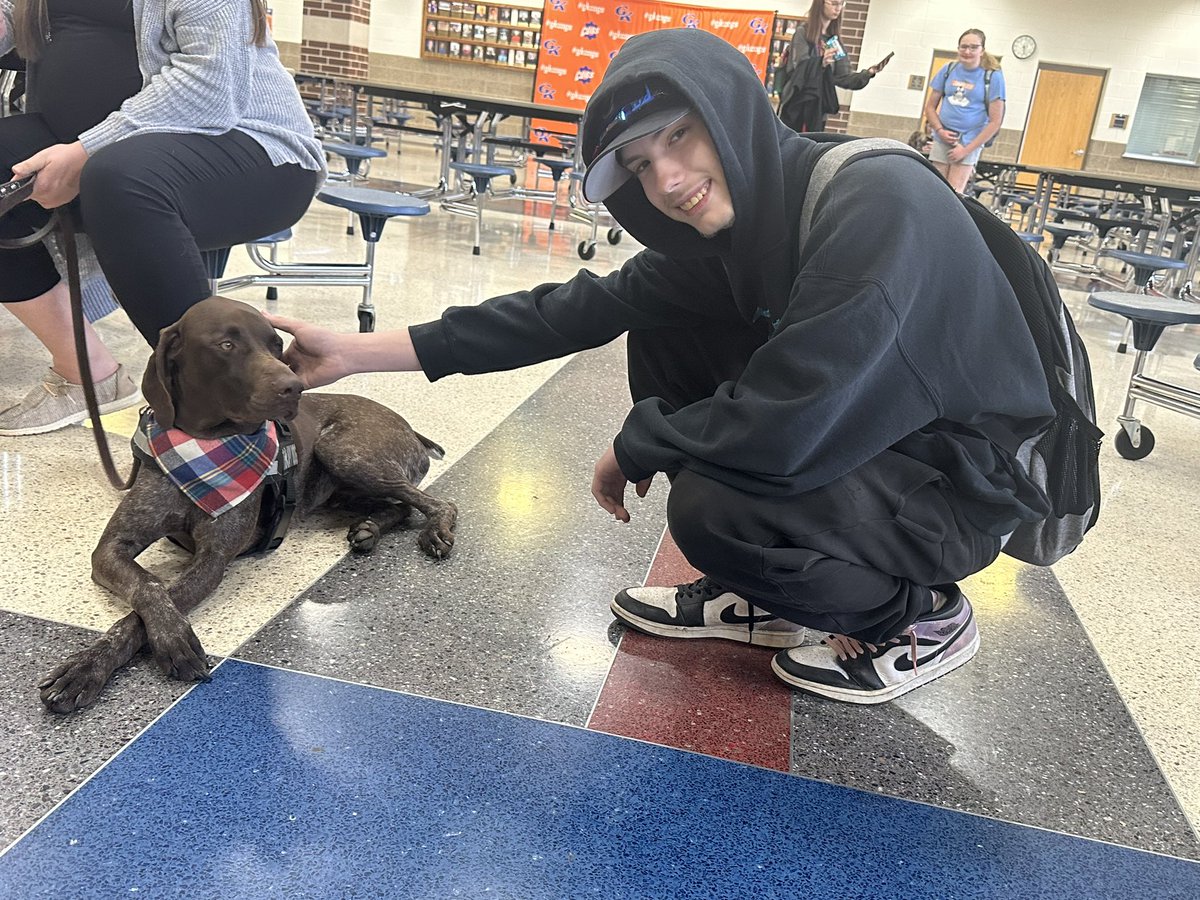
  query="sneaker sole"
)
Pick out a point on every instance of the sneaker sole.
point(870, 698)
point(75, 418)
point(733, 633)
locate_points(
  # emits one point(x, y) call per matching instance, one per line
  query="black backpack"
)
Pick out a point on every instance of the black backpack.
point(1064, 459)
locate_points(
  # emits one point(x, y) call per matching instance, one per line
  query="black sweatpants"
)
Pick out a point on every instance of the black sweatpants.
point(150, 204)
point(857, 556)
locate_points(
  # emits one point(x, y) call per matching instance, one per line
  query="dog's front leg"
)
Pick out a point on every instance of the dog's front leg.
point(78, 680)
point(163, 610)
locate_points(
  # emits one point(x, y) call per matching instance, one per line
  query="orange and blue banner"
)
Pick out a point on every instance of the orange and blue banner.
point(580, 38)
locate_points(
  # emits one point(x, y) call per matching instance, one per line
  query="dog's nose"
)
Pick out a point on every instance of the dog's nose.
point(290, 387)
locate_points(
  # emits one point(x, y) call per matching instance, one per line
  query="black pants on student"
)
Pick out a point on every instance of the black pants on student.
point(856, 556)
point(150, 204)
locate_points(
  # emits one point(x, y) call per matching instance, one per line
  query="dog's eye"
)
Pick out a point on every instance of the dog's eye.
point(226, 345)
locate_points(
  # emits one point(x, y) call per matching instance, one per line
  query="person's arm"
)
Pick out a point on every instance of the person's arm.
point(6, 26)
point(320, 356)
point(995, 120)
point(934, 121)
point(6, 35)
point(204, 83)
point(849, 80)
point(519, 329)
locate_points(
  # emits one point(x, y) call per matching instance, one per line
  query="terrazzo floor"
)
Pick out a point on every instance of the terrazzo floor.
point(390, 726)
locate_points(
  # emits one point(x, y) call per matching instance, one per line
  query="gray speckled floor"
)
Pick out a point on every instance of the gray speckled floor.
point(1080, 712)
point(517, 618)
point(45, 756)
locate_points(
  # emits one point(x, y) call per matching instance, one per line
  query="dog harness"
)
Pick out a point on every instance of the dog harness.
point(219, 473)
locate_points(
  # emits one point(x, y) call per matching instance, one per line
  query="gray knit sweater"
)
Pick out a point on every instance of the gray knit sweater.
point(203, 75)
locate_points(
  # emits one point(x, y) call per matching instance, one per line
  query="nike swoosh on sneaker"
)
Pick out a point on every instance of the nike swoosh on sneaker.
point(905, 663)
point(729, 617)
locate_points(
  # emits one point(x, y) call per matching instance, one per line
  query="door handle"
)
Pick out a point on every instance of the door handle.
point(1077, 153)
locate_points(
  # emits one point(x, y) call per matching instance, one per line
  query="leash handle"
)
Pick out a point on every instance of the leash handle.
point(16, 192)
point(13, 194)
point(71, 251)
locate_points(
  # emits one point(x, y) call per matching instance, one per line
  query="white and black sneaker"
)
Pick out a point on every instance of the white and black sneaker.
point(703, 609)
point(845, 669)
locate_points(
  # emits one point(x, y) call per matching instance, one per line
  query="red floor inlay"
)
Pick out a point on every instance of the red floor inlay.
point(710, 696)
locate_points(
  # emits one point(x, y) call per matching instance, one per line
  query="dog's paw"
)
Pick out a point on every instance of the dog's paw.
point(74, 683)
point(436, 539)
point(176, 649)
point(364, 536)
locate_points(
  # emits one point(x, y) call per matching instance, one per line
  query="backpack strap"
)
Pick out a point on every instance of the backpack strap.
point(987, 89)
point(830, 164)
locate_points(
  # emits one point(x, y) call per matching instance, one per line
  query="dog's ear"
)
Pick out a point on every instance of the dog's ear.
point(160, 375)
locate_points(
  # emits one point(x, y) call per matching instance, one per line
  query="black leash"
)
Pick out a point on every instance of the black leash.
point(12, 194)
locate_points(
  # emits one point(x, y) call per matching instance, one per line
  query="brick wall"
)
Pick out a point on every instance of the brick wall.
point(336, 34)
point(854, 24)
point(350, 10)
point(341, 60)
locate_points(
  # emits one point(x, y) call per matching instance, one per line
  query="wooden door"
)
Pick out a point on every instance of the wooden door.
point(940, 58)
point(1061, 117)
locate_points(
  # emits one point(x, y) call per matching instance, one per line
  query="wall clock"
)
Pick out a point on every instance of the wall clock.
point(1024, 46)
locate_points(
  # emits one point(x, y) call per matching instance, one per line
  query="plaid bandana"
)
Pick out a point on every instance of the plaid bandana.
point(215, 473)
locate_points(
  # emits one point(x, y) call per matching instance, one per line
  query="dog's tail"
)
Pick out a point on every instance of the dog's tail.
point(434, 450)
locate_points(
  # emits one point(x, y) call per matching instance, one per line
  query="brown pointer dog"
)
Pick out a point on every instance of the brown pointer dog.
point(218, 371)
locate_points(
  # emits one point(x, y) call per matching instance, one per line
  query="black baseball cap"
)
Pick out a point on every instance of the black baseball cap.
point(648, 110)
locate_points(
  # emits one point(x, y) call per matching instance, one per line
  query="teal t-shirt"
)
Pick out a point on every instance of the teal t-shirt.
point(963, 108)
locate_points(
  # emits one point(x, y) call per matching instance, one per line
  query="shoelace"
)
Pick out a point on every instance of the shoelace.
point(700, 587)
point(847, 647)
point(56, 388)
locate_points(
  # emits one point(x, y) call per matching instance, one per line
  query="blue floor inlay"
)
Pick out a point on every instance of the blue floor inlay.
point(273, 783)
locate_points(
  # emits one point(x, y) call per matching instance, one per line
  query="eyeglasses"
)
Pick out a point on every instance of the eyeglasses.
point(970, 46)
point(624, 114)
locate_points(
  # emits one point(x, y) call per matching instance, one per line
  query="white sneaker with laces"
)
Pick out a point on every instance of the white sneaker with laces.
point(856, 672)
point(703, 609)
point(57, 403)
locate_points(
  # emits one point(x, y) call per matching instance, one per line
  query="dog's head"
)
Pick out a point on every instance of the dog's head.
point(219, 371)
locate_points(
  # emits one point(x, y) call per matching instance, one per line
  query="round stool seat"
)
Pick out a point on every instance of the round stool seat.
point(1147, 262)
point(372, 201)
point(352, 151)
point(556, 166)
point(1022, 200)
point(277, 238)
point(1147, 308)
point(481, 170)
point(1066, 231)
point(1030, 238)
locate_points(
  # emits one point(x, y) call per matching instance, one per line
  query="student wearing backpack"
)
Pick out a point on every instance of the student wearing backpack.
point(838, 411)
point(965, 108)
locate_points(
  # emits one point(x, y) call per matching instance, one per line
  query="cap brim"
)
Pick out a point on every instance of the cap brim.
point(606, 174)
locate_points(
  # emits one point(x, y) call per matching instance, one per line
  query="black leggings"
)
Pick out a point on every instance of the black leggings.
point(150, 204)
point(857, 556)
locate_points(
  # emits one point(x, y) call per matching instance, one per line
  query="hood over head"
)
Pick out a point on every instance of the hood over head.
point(651, 80)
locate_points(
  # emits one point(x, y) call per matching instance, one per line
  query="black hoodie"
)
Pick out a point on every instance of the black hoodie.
point(891, 327)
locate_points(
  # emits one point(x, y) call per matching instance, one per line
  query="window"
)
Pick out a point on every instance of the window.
point(1166, 126)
